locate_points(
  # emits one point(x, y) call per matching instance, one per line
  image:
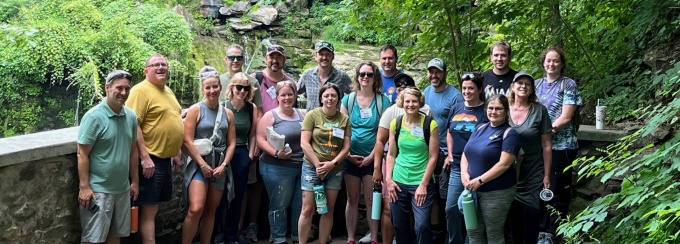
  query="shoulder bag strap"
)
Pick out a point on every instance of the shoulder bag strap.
point(218, 121)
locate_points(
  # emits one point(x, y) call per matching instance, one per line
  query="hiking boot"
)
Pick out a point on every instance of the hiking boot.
point(548, 238)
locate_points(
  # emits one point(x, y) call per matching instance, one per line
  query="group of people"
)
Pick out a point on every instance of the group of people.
point(503, 135)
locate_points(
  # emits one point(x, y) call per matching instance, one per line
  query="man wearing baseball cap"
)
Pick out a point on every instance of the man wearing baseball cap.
point(440, 96)
point(313, 78)
point(275, 58)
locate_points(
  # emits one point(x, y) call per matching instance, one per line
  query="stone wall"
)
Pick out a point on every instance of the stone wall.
point(39, 185)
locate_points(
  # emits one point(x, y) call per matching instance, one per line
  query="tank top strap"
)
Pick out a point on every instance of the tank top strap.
point(276, 116)
point(300, 117)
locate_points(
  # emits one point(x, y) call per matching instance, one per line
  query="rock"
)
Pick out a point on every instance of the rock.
point(662, 57)
point(660, 133)
point(264, 14)
point(226, 11)
point(179, 9)
point(245, 26)
point(281, 7)
point(304, 12)
point(239, 8)
point(210, 8)
point(304, 33)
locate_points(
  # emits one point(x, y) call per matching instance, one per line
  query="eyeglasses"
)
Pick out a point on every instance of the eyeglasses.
point(495, 109)
point(117, 74)
point(208, 74)
point(157, 65)
point(366, 74)
point(237, 58)
point(468, 76)
point(242, 88)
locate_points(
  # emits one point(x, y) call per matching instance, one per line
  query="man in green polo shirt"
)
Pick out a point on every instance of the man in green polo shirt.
point(107, 155)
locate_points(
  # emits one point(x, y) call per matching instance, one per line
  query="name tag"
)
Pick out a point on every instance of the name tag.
point(339, 133)
point(417, 131)
point(366, 113)
point(272, 92)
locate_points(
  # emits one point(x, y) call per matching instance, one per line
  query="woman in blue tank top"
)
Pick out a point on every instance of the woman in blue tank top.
point(281, 168)
point(204, 176)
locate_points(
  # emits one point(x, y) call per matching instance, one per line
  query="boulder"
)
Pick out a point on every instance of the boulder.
point(281, 7)
point(239, 25)
point(226, 11)
point(264, 14)
point(210, 8)
point(239, 8)
point(179, 9)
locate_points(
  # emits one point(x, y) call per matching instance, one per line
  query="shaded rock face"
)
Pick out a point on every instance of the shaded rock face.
point(210, 8)
point(265, 15)
point(261, 16)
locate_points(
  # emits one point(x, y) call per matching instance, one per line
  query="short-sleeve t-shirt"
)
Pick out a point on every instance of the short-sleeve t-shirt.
point(483, 151)
point(364, 123)
point(389, 88)
point(158, 115)
point(497, 84)
point(462, 122)
point(441, 103)
point(242, 122)
point(554, 95)
point(111, 136)
point(530, 180)
point(268, 91)
point(328, 134)
point(410, 164)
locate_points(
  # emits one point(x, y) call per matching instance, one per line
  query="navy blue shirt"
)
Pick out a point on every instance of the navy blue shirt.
point(483, 151)
point(462, 122)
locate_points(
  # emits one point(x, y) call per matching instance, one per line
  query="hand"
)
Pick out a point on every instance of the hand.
point(447, 163)
point(366, 161)
point(176, 164)
point(377, 176)
point(392, 189)
point(464, 178)
point(257, 152)
point(184, 113)
point(321, 170)
point(251, 156)
point(84, 196)
point(546, 182)
point(355, 159)
point(421, 195)
point(134, 191)
point(206, 170)
point(219, 171)
point(284, 155)
point(473, 184)
point(147, 167)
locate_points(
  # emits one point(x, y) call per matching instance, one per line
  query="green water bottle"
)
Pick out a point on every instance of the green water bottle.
point(320, 198)
point(469, 210)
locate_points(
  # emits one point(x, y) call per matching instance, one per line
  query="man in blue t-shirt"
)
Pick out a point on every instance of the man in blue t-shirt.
point(388, 70)
point(440, 96)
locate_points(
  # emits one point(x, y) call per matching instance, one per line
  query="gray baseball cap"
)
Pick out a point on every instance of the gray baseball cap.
point(437, 63)
point(522, 74)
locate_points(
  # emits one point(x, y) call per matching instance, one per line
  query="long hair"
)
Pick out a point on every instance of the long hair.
point(377, 79)
point(240, 76)
point(559, 51)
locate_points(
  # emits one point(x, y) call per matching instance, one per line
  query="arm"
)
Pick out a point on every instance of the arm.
point(266, 147)
point(147, 164)
point(378, 151)
point(85, 193)
point(392, 186)
point(449, 148)
point(252, 141)
point(568, 111)
point(231, 146)
point(188, 141)
point(355, 159)
point(305, 144)
point(546, 144)
point(433, 150)
point(464, 175)
point(134, 171)
point(498, 169)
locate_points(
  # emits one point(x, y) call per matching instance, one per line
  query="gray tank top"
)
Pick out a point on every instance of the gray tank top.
point(206, 125)
point(291, 129)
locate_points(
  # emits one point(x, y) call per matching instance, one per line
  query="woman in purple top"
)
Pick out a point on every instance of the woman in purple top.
point(486, 167)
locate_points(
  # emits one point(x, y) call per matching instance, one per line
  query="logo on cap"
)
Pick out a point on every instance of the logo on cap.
point(321, 45)
point(437, 63)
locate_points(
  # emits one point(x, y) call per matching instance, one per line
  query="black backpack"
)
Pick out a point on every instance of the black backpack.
point(426, 137)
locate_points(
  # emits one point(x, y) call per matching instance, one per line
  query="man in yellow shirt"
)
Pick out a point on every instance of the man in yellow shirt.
point(159, 133)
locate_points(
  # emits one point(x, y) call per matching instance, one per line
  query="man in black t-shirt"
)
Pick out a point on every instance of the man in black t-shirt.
point(498, 79)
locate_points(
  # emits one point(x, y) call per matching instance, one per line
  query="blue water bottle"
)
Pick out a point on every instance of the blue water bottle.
point(320, 197)
point(377, 202)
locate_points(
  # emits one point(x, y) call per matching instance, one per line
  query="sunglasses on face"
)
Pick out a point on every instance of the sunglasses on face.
point(401, 82)
point(366, 74)
point(236, 58)
point(242, 88)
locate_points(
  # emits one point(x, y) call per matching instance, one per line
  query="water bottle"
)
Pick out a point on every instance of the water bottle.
point(469, 210)
point(287, 149)
point(377, 202)
point(320, 197)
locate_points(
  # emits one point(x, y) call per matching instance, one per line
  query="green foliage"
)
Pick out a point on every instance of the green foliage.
point(75, 43)
point(335, 22)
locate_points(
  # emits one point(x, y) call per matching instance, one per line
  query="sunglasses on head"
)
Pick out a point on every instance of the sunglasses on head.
point(468, 76)
point(242, 87)
point(208, 74)
point(237, 58)
point(119, 74)
point(366, 74)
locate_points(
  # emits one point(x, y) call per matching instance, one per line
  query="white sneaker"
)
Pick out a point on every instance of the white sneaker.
point(366, 239)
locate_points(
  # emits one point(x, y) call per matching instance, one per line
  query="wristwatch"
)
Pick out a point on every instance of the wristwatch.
point(276, 154)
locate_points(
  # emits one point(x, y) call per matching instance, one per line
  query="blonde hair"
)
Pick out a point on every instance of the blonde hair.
point(240, 76)
point(413, 92)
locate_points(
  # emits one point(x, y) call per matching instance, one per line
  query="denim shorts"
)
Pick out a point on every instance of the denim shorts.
point(352, 169)
point(333, 179)
point(158, 188)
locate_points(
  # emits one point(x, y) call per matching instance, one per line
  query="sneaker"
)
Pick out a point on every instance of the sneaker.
point(366, 239)
point(251, 233)
point(313, 233)
point(271, 238)
point(541, 238)
point(242, 238)
point(375, 242)
point(351, 242)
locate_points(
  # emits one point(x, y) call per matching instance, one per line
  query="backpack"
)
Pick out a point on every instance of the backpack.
point(576, 119)
point(353, 97)
point(426, 137)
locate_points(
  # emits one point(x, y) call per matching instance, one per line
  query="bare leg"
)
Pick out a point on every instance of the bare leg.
point(352, 184)
point(112, 240)
point(326, 222)
point(147, 224)
point(367, 181)
point(208, 218)
point(305, 222)
point(387, 228)
point(197, 191)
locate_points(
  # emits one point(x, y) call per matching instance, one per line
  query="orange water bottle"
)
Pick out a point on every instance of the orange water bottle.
point(134, 219)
